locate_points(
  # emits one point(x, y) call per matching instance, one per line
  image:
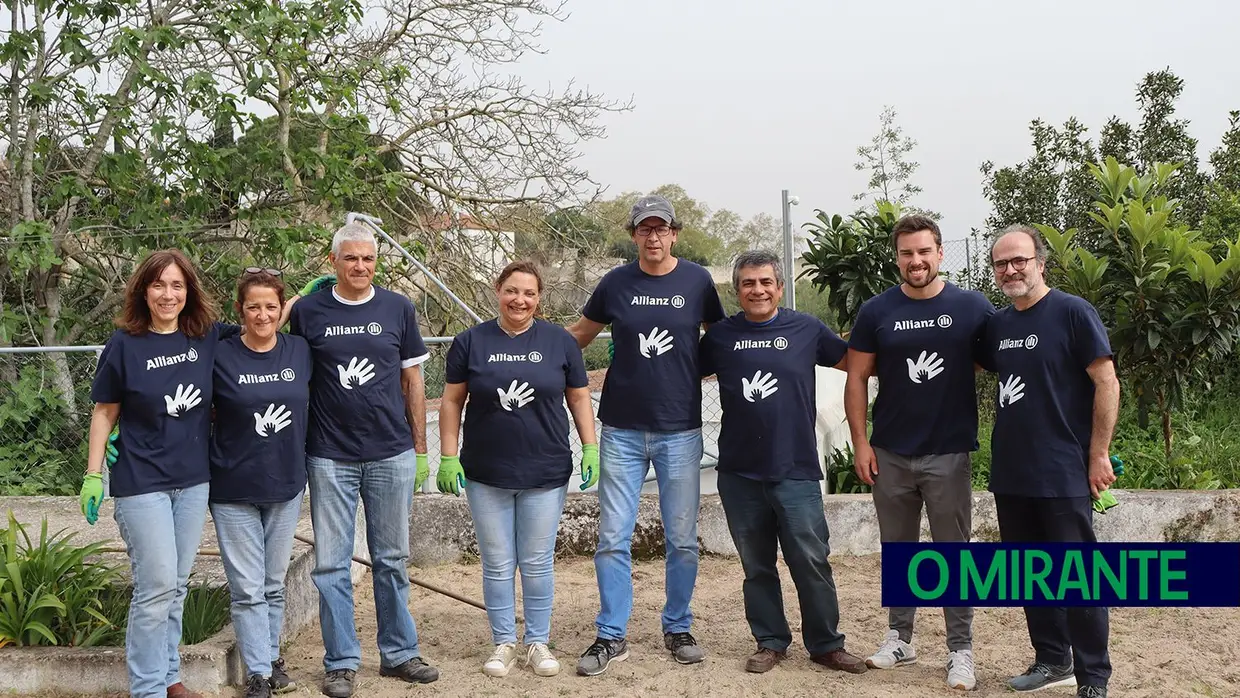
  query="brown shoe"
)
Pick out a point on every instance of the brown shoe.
point(764, 660)
point(178, 690)
point(841, 660)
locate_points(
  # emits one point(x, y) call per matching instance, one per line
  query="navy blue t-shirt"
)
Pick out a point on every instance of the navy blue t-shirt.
point(163, 385)
point(1045, 401)
point(767, 385)
point(925, 351)
point(357, 407)
point(258, 445)
point(515, 433)
point(654, 382)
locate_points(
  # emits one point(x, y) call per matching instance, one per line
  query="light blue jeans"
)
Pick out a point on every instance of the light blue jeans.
point(161, 531)
point(517, 528)
point(385, 488)
point(625, 456)
point(256, 541)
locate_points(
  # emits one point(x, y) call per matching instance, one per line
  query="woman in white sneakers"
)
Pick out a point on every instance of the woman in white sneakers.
point(516, 372)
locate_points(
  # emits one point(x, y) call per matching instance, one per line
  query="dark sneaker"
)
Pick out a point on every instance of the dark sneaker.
point(684, 648)
point(1091, 692)
point(339, 683)
point(257, 687)
point(280, 682)
point(764, 660)
point(597, 656)
point(1041, 675)
point(415, 670)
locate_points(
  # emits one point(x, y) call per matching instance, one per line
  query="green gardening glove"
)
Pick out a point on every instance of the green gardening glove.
point(422, 472)
point(318, 284)
point(589, 466)
point(1107, 500)
point(451, 478)
point(111, 453)
point(611, 351)
point(91, 496)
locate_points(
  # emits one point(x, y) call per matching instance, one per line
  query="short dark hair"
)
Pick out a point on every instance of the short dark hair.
point(260, 279)
point(757, 258)
point(199, 313)
point(1039, 243)
point(524, 267)
point(912, 223)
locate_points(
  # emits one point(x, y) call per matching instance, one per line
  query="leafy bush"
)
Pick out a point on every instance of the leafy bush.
point(49, 593)
point(841, 475)
point(852, 258)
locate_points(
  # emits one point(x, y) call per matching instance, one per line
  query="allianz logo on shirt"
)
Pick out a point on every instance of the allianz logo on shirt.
point(676, 301)
point(943, 321)
point(780, 343)
point(162, 361)
point(532, 357)
point(341, 330)
point(285, 375)
point(1027, 343)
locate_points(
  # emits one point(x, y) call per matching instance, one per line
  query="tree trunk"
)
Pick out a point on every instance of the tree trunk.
point(1166, 422)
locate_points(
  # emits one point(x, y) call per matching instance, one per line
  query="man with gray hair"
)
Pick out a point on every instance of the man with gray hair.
point(366, 439)
point(769, 471)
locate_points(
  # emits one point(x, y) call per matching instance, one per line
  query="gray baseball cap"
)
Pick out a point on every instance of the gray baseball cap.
point(648, 206)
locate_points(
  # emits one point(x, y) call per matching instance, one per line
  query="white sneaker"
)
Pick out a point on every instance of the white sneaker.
point(501, 660)
point(960, 670)
point(894, 652)
point(539, 658)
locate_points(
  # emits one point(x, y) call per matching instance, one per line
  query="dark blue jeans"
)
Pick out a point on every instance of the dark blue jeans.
point(787, 515)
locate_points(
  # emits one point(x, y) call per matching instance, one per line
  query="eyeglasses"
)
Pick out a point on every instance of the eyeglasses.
point(260, 270)
point(662, 231)
point(1017, 264)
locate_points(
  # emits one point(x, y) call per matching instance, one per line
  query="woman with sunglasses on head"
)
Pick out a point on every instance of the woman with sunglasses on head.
point(153, 379)
point(258, 470)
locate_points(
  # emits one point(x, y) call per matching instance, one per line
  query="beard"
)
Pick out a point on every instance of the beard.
point(931, 275)
point(1016, 288)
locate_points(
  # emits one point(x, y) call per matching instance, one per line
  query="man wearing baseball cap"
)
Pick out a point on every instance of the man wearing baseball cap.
point(651, 411)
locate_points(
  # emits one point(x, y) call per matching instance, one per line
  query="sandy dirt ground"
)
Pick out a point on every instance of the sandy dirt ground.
point(1155, 652)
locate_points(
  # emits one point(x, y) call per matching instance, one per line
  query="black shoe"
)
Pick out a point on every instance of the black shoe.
point(280, 682)
point(339, 683)
point(1041, 675)
point(414, 671)
point(257, 687)
point(1091, 692)
point(684, 648)
point(595, 659)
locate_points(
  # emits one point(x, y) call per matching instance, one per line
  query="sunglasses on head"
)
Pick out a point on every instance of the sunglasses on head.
point(260, 270)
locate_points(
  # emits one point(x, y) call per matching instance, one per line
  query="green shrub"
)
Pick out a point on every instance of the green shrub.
point(206, 613)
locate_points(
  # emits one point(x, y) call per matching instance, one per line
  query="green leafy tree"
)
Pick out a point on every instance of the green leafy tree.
point(851, 258)
point(886, 158)
point(1172, 306)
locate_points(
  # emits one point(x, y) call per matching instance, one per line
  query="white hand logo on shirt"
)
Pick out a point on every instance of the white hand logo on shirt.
point(516, 396)
point(660, 341)
point(762, 386)
point(1011, 390)
point(275, 419)
point(927, 367)
point(187, 398)
point(358, 373)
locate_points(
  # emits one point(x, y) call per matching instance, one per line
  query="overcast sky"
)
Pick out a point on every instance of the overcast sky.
point(738, 100)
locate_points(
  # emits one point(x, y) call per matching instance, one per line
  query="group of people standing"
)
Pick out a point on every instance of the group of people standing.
point(242, 418)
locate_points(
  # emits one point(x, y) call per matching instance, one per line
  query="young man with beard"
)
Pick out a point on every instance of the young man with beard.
point(1055, 413)
point(921, 339)
point(651, 410)
point(769, 470)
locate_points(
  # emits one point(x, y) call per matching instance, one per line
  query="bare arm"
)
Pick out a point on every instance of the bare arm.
point(583, 413)
point(1106, 411)
point(412, 386)
point(856, 405)
point(584, 331)
point(450, 407)
point(102, 419)
point(287, 310)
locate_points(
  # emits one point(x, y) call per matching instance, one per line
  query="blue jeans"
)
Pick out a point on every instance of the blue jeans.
point(788, 515)
point(256, 541)
point(517, 528)
point(161, 531)
point(385, 488)
point(625, 456)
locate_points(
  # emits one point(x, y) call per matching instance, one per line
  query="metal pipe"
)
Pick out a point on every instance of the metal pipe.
point(374, 222)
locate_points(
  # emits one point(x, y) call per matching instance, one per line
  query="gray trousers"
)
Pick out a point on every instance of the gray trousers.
point(942, 482)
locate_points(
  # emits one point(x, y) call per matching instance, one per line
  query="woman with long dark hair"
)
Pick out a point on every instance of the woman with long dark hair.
point(154, 378)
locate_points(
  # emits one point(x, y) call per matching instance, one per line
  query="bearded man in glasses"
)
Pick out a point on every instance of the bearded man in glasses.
point(1055, 413)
